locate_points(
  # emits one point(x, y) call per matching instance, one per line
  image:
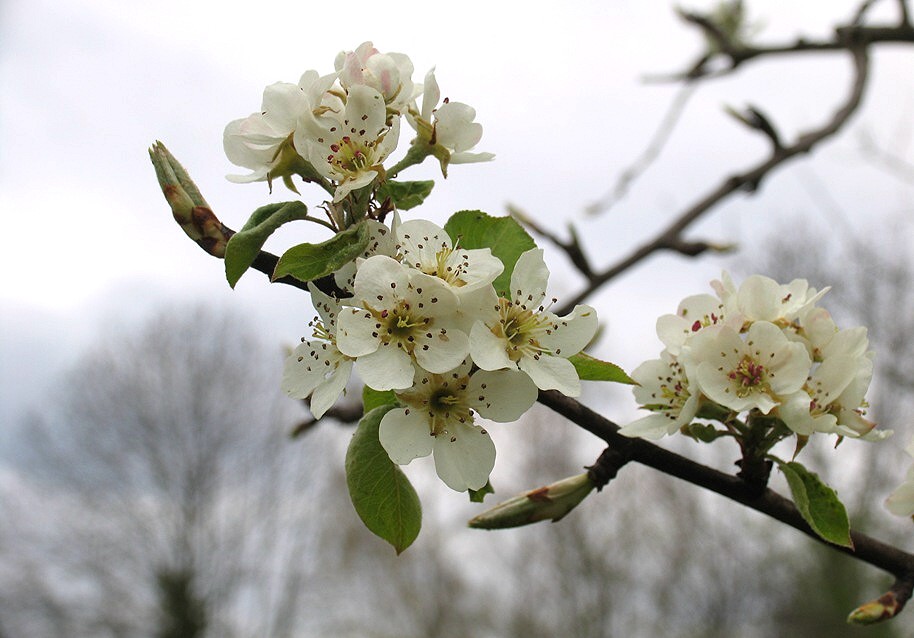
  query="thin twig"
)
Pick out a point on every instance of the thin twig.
point(671, 237)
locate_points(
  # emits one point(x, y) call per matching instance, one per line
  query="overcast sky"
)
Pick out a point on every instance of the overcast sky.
point(87, 86)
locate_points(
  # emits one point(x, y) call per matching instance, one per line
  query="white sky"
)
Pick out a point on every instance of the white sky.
point(88, 85)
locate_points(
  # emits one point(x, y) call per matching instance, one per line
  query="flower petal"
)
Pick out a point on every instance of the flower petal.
point(387, 368)
point(489, 351)
point(404, 435)
point(572, 332)
point(552, 373)
point(464, 457)
point(503, 395)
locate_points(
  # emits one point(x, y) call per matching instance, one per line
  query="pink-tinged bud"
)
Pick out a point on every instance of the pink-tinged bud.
point(551, 502)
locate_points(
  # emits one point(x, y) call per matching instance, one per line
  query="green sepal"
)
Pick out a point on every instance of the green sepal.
point(307, 262)
point(503, 235)
point(245, 245)
point(372, 398)
point(818, 504)
point(381, 494)
point(478, 496)
point(405, 195)
point(592, 369)
point(704, 432)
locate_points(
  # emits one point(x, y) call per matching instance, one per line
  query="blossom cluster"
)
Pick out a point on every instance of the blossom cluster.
point(764, 348)
point(342, 126)
point(424, 320)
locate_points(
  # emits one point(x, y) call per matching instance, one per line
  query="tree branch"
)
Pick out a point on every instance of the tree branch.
point(671, 237)
point(867, 549)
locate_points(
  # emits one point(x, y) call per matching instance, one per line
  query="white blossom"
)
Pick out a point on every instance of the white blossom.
point(401, 317)
point(390, 74)
point(317, 368)
point(520, 333)
point(263, 141)
point(438, 417)
point(349, 147)
point(663, 387)
point(428, 248)
point(757, 373)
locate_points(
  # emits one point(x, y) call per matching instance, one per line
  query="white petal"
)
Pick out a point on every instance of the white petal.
point(503, 395)
point(653, 426)
point(552, 373)
point(354, 331)
point(387, 368)
point(572, 332)
point(420, 241)
point(529, 279)
point(444, 351)
point(488, 351)
point(901, 501)
point(304, 369)
point(464, 457)
point(405, 435)
point(380, 276)
point(326, 394)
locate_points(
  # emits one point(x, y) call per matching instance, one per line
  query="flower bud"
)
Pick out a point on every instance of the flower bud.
point(188, 207)
point(883, 608)
point(551, 502)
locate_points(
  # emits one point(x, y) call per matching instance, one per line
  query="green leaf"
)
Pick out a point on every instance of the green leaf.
point(382, 495)
point(372, 398)
point(478, 496)
point(507, 239)
point(405, 195)
point(593, 369)
point(818, 504)
point(244, 245)
point(307, 262)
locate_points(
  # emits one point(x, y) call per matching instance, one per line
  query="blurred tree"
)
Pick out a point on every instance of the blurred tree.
point(159, 494)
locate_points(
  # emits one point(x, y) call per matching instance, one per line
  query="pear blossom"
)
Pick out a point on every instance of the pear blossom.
point(428, 248)
point(901, 501)
point(349, 147)
point(262, 141)
point(520, 333)
point(438, 418)
point(317, 368)
point(390, 74)
point(448, 128)
point(694, 313)
point(664, 387)
point(757, 373)
point(761, 298)
point(402, 317)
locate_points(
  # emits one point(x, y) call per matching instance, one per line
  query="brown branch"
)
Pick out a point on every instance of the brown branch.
point(867, 549)
point(671, 237)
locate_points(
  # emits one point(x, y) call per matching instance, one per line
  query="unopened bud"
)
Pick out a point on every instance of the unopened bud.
point(883, 608)
point(551, 502)
point(188, 207)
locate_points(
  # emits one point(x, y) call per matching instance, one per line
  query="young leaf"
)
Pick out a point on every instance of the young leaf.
point(593, 369)
point(405, 195)
point(507, 239)
point(818, 504)
point(372, 398)
point(244, 245)
point(382, 495)
point(307, 262)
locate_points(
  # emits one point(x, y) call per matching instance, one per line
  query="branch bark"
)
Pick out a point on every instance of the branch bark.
point(867, 549)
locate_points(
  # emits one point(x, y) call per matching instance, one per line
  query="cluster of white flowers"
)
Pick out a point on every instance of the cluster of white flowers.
point(762, 347)
point(425, 321)
point(420, 315)
point(342, 126)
